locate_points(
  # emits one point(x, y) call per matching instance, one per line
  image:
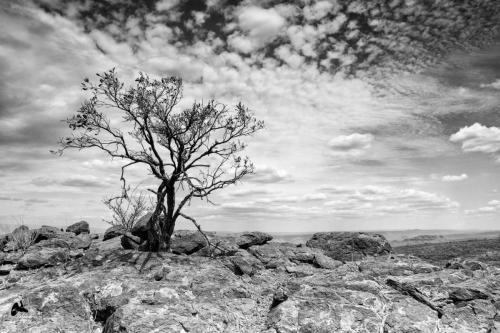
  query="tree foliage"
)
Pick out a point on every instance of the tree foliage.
point(192, 152)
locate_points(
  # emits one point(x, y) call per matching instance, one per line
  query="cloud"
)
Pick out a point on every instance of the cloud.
point(492, 207)
point(266, 174)
point(478, 138)
point(7, 198)
point(261, 24)
point(166, 4)
point(72, 181)
point(494, 85)
point(454, 178)
point(350, 145)
point(383, 200)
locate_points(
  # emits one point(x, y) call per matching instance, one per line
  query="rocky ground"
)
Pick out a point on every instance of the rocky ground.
point(337, 282)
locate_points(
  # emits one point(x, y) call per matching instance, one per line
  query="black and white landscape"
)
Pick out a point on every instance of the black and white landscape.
point(249, 166)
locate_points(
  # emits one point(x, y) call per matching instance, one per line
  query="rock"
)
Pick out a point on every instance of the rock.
point(458, 294)
point(274, 255)
point(112, 232)
point(68, 241)
point(348, 246)
point(78, 228)
point(465, 264)
point(326, 262)
point(94, 236)
point(5, 269)
point(46, 232)
point(187, 242)
point(130, 242)
point(244, 263)
point(41, 257)
point(10, 258)
point(253, 238)
point(112, 244)
point(61, 306)
point(141, 227)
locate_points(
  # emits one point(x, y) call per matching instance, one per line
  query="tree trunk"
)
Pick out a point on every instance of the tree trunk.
point(169, 223)
point(155, 241)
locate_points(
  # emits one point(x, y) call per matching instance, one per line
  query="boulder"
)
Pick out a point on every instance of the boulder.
point(46, 232)
point(141, 227)
point(67, 241)
point(473, 265)
point(243, 263)
point(50, 307)
point(248, 239)
point(460, 294)
point(79, 228)
point(41, 257)
point(187, 242)
point(130, 242)
point(274, 255)
point(348, 246)
point(112, 232)
point(5, 269)
point(10, 257)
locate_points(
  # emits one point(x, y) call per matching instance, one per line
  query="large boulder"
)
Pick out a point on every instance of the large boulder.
point(276, 255)
point(348, 246)
point(46, 232)
point(68, 241)
point(141, 227)
point(79, 228)
point(187, 242)
point(41, 257)
point(112, 232)
point(248, 239)
point(130, 242)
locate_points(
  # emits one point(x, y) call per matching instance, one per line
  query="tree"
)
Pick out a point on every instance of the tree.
point(192, 153)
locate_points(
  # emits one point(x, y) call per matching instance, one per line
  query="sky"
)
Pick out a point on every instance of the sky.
point(380, 115)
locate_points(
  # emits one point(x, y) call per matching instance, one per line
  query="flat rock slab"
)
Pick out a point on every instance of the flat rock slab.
point(350, 246)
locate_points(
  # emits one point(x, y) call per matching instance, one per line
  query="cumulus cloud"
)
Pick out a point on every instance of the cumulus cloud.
point(292, 64)
point(494, 85)
point(454, 178)
point(350, 145)
point(492, 207)
point(261, 24)
point(478, 138)
point(266, 174)
point(382, 200)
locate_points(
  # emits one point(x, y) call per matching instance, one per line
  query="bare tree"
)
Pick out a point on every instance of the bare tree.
point(194, 151)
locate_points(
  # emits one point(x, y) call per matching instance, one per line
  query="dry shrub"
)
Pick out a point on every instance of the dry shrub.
point(22, 238)
point(127, 210)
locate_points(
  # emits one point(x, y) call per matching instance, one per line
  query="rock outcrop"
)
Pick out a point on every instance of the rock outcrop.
point(248, 239)
point(271, 288)
point(46, 232)
point(350, 246)
point(79, 228)
point(187, 242)
point(141, 227)
point(112, 232)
